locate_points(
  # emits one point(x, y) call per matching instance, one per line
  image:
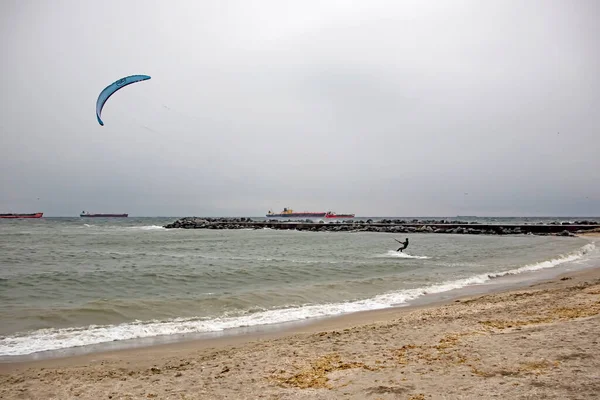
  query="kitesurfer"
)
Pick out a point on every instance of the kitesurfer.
point(402, 243)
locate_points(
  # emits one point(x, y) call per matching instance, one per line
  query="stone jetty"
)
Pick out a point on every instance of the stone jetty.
point(391, 226)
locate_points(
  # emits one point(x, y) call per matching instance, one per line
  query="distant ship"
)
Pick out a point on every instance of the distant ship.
point(331, 214)
point(34, 215)
point(289, 213)
point(89, 215)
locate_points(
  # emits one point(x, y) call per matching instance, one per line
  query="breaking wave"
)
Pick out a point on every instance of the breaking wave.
point(397, 254)
point(55, 339)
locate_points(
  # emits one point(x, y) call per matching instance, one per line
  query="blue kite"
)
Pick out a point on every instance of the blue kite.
point(112, 88)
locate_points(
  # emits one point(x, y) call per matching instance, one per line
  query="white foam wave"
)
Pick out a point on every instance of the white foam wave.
point(398, 254)
point(576, 255)
point(54, 339)
point(149, 228)
point(117, 227)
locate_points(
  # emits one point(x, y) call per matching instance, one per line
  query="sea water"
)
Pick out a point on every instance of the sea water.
point(72, 282)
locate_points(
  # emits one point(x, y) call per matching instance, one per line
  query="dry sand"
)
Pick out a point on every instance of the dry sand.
point(542, 342)
point(591, 233)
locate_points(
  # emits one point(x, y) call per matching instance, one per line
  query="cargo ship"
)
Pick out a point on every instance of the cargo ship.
point(331, 214)
point(289, 213)
point(34, 215)
point(89, 215)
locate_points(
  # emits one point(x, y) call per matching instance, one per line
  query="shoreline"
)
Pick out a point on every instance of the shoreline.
point(538, 341)
point(493, 285)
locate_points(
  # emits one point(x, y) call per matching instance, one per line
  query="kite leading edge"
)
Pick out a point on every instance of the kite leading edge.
point(112, 88)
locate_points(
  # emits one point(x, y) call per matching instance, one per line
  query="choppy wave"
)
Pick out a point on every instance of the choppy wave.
point(397, 254)
point(267, 259)
point(54, 339)
point(576, 255)
point(149, 228)
point(119, 227)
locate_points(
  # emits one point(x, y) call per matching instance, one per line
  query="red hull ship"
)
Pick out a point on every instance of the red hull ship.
point(34, 215)
point(289, 213)
point(331, 214)
point(88, 215)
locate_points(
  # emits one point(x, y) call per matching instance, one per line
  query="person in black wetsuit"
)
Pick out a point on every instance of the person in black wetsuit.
point(403, 243)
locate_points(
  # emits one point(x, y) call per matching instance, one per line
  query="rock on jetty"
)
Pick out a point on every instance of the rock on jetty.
point(390, 226)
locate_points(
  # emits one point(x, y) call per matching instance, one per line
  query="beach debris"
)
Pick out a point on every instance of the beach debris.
point(552, 315)
point(315, 375)
point(529, 367)
point(381, 389)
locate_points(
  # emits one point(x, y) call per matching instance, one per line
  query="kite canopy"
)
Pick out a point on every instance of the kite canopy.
point(112, 88)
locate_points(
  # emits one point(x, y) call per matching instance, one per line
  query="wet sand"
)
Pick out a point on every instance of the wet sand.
point(537, 342)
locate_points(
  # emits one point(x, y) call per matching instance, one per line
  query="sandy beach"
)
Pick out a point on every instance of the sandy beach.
point(532, 343)
point(276, 200)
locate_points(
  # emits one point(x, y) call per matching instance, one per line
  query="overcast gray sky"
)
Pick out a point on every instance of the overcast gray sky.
point(395, 108)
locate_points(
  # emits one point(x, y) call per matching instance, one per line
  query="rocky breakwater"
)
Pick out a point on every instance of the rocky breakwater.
point(388, 226)
point(210, 223)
